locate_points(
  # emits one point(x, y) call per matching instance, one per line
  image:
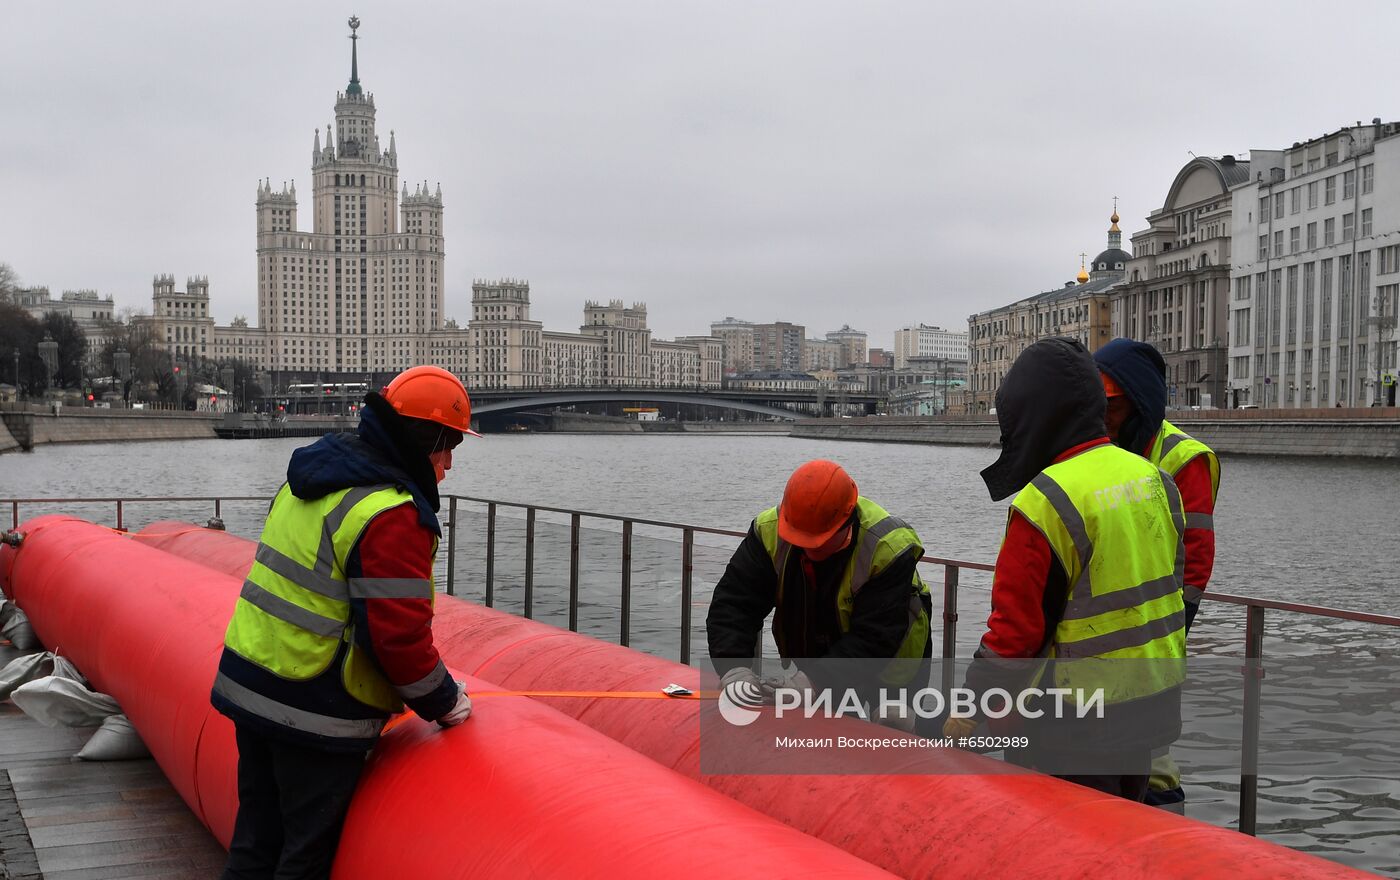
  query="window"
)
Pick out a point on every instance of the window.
point(1365, 222)
point(1388, 260)
point(1348, 184)
point(1325, 307)
point(1331, 189)
point(1312, 236)
point(1278, 243)
point(1348, 227)
point(1263, 247)
point(1368, 179)
point(1312, 194)
point(1309, 290)
point(1329, 230)
point(1293, 239)
point(1295, 200)
point(1263, 208)
point(1278, 206)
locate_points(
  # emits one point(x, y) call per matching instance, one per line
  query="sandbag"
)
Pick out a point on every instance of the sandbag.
point(55, 701)
point(34, 666)
point(18, 630)
point(115, 740)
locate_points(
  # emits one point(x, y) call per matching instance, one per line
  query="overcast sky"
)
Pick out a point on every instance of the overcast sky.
point(865, 163)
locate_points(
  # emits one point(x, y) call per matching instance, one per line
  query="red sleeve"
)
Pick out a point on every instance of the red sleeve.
point(395, 545)
point(1016, 627)
point(1198, 497)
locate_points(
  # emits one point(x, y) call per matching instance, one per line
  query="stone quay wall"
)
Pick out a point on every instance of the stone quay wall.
point(30, 428)
point(1361, 433)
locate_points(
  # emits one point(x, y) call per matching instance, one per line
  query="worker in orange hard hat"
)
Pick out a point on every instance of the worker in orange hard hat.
point(839, 574)
point(332, 632)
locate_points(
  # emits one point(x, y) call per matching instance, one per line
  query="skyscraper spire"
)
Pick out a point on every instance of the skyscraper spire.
point(354, 87)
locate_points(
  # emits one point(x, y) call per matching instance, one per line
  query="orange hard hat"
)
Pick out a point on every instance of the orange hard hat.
point(1111, 388)
point(432, 394)
point(819, 498)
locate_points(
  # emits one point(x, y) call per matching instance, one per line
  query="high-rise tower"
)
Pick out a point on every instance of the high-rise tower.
point(361, 292)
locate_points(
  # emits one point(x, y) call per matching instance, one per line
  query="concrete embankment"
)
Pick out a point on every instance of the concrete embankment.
point(28, 429)
point(1361, 433)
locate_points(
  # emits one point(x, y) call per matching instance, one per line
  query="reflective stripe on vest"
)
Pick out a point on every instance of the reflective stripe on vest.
point(1115, 524)
point(1174, 449)
point(881, 539)
point(293, 614)
point(293, 717)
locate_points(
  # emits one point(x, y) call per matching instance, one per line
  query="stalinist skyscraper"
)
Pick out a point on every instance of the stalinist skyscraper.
point(361, 292)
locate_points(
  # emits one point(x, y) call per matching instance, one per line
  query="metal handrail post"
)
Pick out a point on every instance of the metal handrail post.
point(218, 508)
point(14, 514)
point(950, 624)
point(452, 547)
point(119, 515)
point(626, 636)
point(573, 572)
point(529, 563)
point(1253, 670)
point(491, 555)
point(687, 567)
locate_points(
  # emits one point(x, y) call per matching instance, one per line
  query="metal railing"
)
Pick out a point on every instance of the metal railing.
point(1252, 671)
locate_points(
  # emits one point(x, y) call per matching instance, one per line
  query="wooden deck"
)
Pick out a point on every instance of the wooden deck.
point(66, 820)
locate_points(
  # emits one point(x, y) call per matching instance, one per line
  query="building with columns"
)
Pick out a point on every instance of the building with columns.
point(737, 339)
point(853, 345)
point(506, 347)
point(1178, 280)
point(1316, 272)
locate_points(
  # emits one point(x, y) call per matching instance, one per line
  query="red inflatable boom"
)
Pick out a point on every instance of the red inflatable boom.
point(955, 824)
point(520, 790)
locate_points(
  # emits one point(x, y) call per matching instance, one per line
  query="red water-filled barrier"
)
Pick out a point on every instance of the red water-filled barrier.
point(957, 824)
point(520, 790)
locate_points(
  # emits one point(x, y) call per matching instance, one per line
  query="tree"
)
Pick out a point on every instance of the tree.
point(9, 283)
point(21, 331)
point(63, 329)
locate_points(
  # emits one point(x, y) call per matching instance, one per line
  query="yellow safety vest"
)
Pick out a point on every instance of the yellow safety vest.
point(1115, 524)
point(881, 539)
point(293, 615)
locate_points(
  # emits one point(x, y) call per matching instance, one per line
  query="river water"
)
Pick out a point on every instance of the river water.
point(1314, 531)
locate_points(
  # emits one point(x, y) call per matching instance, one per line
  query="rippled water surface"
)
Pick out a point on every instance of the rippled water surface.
point(1312, 531)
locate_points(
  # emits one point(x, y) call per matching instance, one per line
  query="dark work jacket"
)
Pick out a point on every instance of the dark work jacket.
point(380, 453)
point(807, 623)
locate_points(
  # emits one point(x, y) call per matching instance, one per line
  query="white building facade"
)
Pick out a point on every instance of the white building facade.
point(925, 341)
point(1316, 277)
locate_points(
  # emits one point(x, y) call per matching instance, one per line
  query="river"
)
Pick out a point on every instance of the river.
point(1305, 530)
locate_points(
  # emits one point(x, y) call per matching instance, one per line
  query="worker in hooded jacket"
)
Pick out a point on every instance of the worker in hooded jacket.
point(1086, 593)
point(332, 631)
point(1135, 383)
point(840, 575)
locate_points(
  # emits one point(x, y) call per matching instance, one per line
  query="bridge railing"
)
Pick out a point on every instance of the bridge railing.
point(624, 530)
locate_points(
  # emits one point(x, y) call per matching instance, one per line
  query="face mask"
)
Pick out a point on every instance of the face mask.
point(442, 462)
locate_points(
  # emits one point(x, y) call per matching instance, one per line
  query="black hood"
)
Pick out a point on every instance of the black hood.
point(1051, 400)
point(1142, 373)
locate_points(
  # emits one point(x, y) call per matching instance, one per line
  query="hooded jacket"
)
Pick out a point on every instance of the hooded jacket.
point(1051, 400)
point(1142, 373)
point(398, 543)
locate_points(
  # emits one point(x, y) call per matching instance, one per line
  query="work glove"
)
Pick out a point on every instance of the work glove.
point(739, 673)
point(460, 711)
point(956, 727)
point(787, 677)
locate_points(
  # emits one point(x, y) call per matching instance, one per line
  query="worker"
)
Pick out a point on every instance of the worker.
point(1089, 569)
point(840, 575)
point(1135, 383)
point(332, 631)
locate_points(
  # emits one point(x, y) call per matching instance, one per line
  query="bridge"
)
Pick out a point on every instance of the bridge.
point(776, 404)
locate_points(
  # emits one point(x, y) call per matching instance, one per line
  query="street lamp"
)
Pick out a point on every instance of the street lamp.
point(121, 365)
point(17, 392)
point(48, 352)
